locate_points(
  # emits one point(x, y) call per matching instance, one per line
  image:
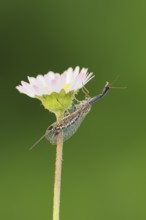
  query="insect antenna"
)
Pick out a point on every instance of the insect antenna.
point(116, 87)
point(115, 80)
point(36, 142)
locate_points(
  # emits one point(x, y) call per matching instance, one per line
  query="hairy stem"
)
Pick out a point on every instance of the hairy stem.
point(57, 180)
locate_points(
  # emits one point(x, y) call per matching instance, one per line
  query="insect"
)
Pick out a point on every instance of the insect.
point(70, 123)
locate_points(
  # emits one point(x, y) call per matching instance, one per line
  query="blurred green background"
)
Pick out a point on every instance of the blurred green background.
point(104, 163)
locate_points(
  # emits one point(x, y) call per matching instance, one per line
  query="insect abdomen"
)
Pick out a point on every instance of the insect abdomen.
point(69, 125)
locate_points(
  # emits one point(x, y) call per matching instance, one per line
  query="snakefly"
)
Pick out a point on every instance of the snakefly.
point(70, 123)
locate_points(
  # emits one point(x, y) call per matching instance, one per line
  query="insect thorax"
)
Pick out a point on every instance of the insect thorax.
point(69, 124)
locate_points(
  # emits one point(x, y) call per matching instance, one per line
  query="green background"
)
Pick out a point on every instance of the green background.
point(104, 163)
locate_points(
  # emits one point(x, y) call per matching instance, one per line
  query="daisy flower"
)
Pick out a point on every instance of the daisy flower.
point(54, 90)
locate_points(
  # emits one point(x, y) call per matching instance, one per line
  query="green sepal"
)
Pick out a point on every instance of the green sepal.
point(57, 103)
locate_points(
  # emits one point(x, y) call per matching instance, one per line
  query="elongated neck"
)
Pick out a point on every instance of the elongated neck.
point(103, 93)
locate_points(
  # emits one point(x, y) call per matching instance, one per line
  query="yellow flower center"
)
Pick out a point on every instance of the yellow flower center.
point(46, 89)
point(66, 87)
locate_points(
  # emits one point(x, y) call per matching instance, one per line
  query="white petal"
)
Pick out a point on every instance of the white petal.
point(76, 71)
point(52, 82)
point(79, 80)
point(69, 75)
point(32, 80)
point(63, 80)
point(55, 83)
point(89, 77)
point(70, 79)
point(21, 89)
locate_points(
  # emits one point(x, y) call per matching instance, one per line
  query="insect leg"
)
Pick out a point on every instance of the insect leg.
point(86, 92)
point(77, 100)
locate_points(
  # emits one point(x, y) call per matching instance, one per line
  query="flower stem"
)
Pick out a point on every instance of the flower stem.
point(57, 180)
